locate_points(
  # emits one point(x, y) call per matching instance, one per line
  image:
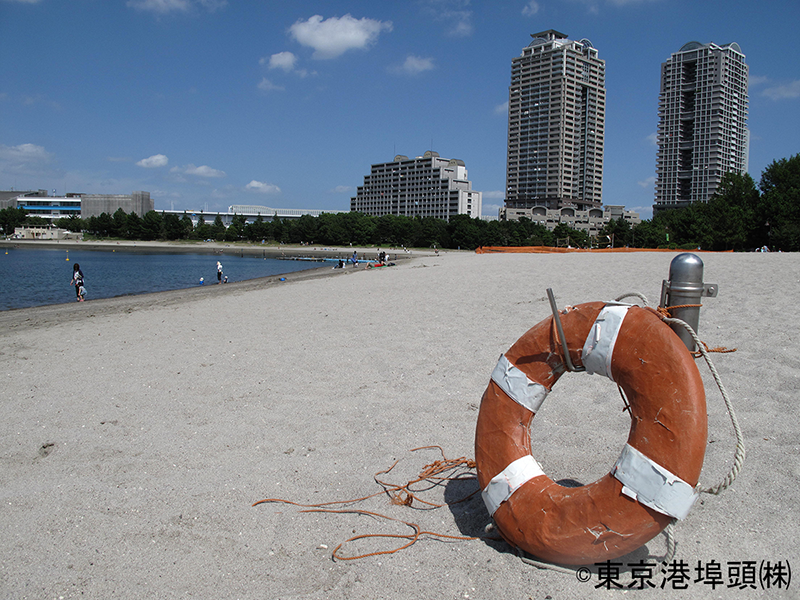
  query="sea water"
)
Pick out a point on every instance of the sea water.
point(37, 277)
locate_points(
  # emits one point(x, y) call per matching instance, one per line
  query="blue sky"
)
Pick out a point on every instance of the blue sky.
point(209, 103)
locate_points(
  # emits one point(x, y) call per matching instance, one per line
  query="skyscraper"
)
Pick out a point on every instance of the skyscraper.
point(556, 124)
point(702, 122)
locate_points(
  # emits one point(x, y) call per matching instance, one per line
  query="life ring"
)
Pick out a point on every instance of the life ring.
point(655, 477)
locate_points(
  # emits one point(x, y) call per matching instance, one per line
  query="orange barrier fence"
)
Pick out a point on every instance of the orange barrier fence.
point(556, 250)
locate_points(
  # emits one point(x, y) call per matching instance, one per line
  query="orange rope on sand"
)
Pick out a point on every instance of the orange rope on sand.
point(434, 474)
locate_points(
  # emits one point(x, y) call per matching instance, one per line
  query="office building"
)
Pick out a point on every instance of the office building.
point(591, 221)
point(39, 204)
point(556, 125)
point(702, 123)
point(425, 186)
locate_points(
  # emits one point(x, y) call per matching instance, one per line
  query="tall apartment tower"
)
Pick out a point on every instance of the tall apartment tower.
point(556, 124)
point(702, 122)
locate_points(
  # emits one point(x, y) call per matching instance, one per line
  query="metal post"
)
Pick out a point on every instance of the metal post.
point(683, 290)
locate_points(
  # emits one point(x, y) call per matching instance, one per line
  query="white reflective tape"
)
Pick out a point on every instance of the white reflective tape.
point(652, 485)
point(517, 385)
point(599, 346)
point(500, 488)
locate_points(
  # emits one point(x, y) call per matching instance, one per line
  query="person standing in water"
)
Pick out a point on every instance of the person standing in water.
point(77, 281)
point(219, 272)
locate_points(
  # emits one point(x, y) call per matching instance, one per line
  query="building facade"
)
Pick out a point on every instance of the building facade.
point(52, 208)
point(591, 220)
point(556, 125)
point(94, 205)
point(702, 123)
point(425, 186)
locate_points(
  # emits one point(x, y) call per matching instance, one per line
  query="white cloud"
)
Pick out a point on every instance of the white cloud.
point(202, 171)
point(343, 189)
point(152, 162)
point(653, 138)
point(213, 5)
point(753, 80)
point(285, 61)
point(531, 8)
point(267, 86)
point(462, 27)
point(414, 65)
point(263, 188)
point(163, 7)
point(630, 2)
point(24, 153)
point(281, 60)
point(783, 91)
point(454, 13)
point(160, 6)
point(25, 1)
point(491, 209)
point(494, 195)
point(593, 6)
point(333, 37)
point(649, 182)
point(501, 109)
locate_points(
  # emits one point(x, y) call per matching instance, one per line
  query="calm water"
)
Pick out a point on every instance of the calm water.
point(32, 277)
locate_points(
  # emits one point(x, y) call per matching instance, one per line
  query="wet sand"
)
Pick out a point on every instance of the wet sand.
point(138, 431)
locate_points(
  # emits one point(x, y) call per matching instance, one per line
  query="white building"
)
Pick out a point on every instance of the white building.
point(52, 208)
point(556, 124)
point(425, 186)
point(702, 128)
point(591, 220)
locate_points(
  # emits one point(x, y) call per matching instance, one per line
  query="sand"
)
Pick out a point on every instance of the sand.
point(137, 432)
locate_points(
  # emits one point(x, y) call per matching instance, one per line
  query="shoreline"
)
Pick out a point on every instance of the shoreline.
point(323, 255)
point(284, 251)
point(16, 319)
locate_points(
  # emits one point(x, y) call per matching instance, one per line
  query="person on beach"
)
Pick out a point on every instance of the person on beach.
point(219, 272)
point(77, 281)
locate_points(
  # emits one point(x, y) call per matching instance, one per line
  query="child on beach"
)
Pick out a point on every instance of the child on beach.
point(77, 281)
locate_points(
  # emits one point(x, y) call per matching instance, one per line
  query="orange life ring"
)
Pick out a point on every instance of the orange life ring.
point(654, 479)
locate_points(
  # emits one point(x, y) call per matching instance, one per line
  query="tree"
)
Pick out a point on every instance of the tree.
point(577, 238)
point(71, 223)
point(463, 232)
point(732, 214)
point(218, 229)
point(133, 227)
point(11, 218)
point(120, 224)
point(779, 209)
point(152, 226)
point(173, 227)
point(187, 227)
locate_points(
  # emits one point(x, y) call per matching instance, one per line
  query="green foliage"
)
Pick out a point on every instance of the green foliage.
point(738, 217)
point(779, 209)
point(71, 223)
point(10, 218)
point(152, 226)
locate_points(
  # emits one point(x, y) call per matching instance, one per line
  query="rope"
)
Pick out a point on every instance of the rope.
point(434, 474)
point(739, 455)
point(639, 295)
point(672, 544)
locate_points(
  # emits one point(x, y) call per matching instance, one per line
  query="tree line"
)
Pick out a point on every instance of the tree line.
point(741, 216)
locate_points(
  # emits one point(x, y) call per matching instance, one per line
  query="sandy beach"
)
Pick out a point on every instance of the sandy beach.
point(137, 432)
